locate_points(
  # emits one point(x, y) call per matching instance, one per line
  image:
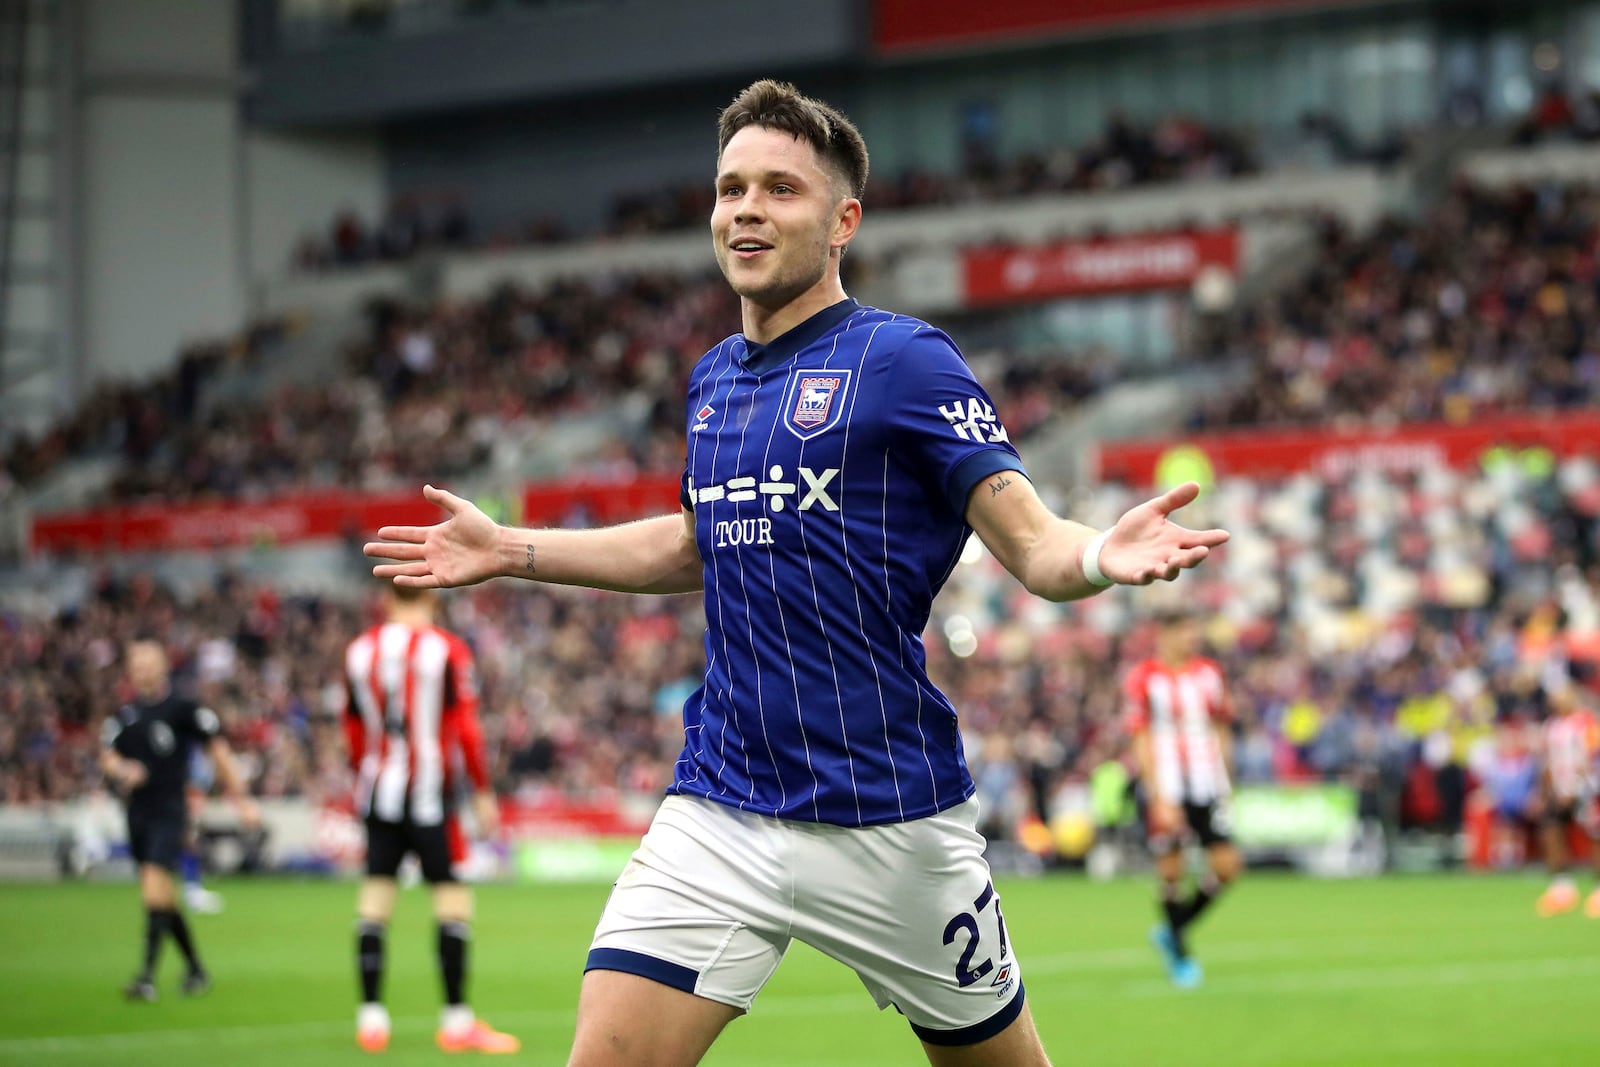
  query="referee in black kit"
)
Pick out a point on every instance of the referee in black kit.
point(146, 755)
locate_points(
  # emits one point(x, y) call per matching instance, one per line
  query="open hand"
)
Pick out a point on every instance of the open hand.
point(461, 550)
point(1146, 546)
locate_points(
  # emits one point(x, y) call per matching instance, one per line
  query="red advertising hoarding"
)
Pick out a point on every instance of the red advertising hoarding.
point(1006, 274)
point(900, 26)
point(599, 503)
point(321, 516)
point(1255, 453)
point(1273, 453)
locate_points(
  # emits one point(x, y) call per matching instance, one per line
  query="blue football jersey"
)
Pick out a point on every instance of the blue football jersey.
point(828, 473)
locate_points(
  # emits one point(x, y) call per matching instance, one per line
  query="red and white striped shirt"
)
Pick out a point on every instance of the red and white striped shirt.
point(1180, 709)
point(1571, 748)
point(413, 702)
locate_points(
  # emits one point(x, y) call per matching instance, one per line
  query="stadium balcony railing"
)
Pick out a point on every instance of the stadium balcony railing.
point(1562, 163)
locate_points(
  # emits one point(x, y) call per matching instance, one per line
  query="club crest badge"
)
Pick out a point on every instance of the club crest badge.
point(816, 401)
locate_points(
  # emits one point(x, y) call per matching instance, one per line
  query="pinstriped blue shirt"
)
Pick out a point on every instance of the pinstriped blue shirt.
point(828, 473)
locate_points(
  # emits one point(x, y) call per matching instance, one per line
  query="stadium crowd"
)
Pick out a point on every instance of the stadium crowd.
point(1126, 154)
point(1402, 633)
point(430, 394)
point(1489, 303)
point(425, 394)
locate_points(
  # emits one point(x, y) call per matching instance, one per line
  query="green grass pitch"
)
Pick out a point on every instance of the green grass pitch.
point(1414, 971)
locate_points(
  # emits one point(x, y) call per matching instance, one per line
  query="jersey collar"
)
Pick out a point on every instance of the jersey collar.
point(758, 359)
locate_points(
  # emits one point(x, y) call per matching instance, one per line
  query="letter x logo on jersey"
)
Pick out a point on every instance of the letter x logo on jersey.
point(815, 401)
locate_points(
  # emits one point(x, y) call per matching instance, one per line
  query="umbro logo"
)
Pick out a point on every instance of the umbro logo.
point(701, 416)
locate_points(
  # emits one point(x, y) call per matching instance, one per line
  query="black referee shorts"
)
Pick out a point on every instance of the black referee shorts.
point(156, 838)
point(388, 843)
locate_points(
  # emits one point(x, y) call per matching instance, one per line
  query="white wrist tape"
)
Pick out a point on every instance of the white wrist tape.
point(1091, 561)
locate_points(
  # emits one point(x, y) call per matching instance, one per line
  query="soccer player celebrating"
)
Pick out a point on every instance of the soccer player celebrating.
point(1568, 781)
point(1178, 714)
point(145, 753)
point(838, 458)
point(413, 706)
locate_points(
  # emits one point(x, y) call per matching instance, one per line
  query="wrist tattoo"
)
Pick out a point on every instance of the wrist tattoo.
point(531, 568)
point(998, 484)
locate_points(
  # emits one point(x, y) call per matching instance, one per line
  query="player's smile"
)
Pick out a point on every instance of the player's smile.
point(747, 249)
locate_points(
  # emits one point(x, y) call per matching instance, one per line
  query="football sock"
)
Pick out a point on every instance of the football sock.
point(369, 956)
point(155, 929)
point(189, 868)
point(180, 933)
point(1204, 893)
point(1173, 909)
point(453, 960)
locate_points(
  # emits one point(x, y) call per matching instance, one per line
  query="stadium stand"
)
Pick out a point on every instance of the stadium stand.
point(1128, 154)
point(1397, 636)
point(1415, 612)
point(1487, 304)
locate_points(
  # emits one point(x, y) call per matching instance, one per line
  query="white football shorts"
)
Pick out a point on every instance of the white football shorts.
point(713, 896)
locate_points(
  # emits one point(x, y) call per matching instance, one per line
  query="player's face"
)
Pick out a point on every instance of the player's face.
point(147, 668)
point(776, 216)
point(1180, 639)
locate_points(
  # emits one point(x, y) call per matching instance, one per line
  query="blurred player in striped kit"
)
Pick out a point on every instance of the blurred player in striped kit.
point(838, 458)
point(1568, 780)
point(1179, 715)
point(411, 712)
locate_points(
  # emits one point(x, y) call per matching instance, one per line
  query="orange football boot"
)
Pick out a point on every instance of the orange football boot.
point(479, 1037)
point(1560, 897)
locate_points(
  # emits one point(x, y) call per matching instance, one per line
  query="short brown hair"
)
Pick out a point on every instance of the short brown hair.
point(410, 594)
point(780, 106)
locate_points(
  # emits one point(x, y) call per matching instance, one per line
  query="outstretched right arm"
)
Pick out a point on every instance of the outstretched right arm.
point(656, 555)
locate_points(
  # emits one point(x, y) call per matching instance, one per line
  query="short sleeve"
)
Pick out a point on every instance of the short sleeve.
point(462, 676)
point(111, 731)
point(943, 420)
point(206, 725)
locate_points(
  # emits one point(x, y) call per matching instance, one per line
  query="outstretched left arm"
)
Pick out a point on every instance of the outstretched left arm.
point(1046, 553)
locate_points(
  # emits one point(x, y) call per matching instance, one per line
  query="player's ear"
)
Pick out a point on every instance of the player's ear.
point(846, 222)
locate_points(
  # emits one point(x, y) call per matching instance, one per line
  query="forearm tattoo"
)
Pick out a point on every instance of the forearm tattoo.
point(531, 568)
point(998, 484)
